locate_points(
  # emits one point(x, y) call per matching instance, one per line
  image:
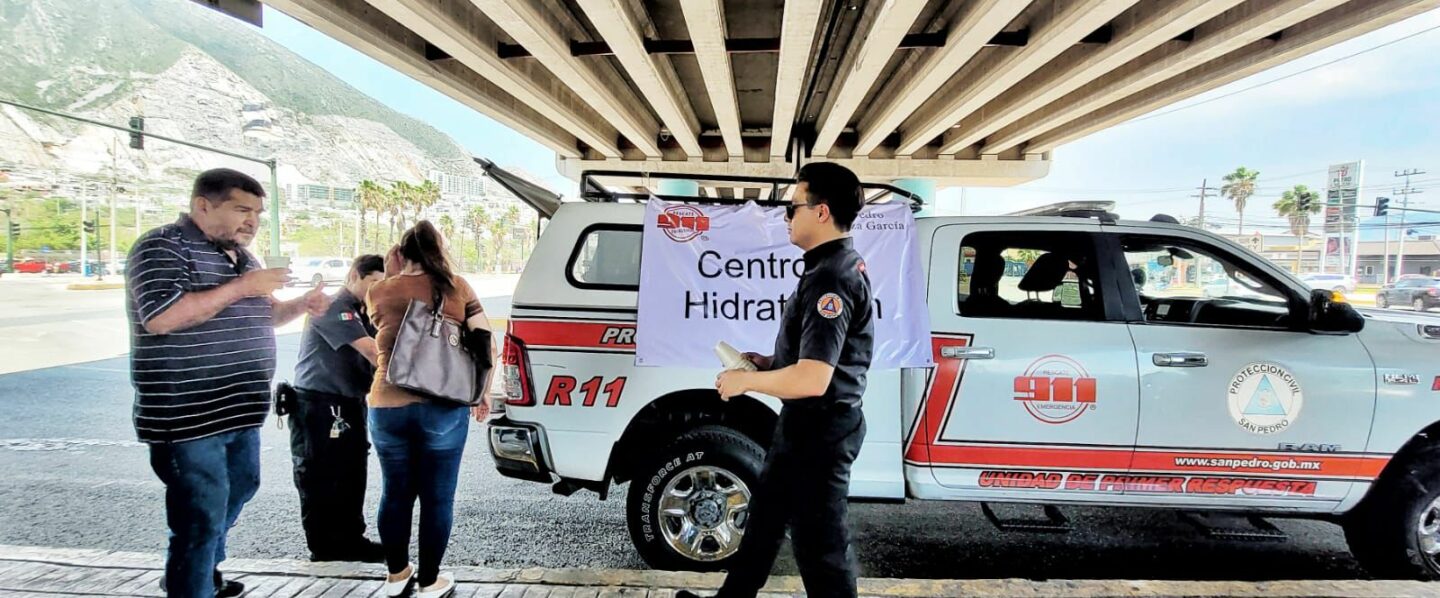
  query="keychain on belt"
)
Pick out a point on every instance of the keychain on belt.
point(339, 427)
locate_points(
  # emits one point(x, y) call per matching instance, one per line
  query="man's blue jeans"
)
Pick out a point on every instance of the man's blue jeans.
point(207, 482)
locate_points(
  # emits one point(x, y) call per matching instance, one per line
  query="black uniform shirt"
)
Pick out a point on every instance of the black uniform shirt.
point(328, 363)
point(830, 319)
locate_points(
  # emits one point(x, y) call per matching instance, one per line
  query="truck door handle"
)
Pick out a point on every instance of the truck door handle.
point(1181, 360)
point(959, 352)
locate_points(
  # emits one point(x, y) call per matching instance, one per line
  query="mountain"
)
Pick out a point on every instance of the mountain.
point(196, 75)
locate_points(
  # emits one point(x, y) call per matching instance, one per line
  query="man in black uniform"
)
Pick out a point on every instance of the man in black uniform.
point(327, 421)
point(821, 357)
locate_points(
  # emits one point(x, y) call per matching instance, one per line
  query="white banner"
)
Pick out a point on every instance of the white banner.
point(710, 273)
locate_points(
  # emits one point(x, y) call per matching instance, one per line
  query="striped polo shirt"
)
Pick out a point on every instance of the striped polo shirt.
point(207, 379)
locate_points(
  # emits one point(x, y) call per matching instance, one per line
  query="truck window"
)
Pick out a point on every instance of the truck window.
point(1028, 276)
point(607, 258)
point(1186, 283)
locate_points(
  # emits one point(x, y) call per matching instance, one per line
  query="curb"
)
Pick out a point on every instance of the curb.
point(94, 286)
point(897, 588)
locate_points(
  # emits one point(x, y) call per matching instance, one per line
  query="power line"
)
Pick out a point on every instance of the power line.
point(1284, 77)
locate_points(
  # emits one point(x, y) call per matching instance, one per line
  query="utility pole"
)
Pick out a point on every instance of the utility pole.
point(1204, 190)
point(9, 240)
point(1404, 194)
point(84, 230)
point(114, 218)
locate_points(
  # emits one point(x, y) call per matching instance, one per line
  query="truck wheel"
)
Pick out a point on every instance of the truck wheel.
point(1395, 533)
point(688, 506)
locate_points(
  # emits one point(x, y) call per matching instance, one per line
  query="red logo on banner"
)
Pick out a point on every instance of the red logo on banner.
point(683, 223)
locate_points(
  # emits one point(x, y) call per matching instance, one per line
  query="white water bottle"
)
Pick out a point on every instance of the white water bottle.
point(733, 359)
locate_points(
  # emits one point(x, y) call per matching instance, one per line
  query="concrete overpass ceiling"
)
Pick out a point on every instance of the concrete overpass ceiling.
point(974, 92)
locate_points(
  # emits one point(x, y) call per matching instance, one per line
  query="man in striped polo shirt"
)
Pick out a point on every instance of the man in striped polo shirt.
point(202, 343)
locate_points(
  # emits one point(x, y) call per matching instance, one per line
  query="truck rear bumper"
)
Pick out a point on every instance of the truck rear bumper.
point(518, 451)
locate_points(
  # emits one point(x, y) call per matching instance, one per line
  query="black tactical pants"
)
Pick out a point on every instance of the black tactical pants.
point(806, 486)
point(330, 472)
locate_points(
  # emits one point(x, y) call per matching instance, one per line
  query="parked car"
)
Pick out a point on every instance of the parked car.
point(31, 266)
point(1339, 283)
point(1420, 293)
point(314, 270)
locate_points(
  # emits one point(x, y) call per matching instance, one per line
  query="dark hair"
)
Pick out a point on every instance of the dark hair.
point(368, 264)
point(421, 245)
point(215, 185)
point(835, 186)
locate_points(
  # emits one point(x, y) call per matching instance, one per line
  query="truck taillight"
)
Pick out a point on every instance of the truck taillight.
point(517, 373)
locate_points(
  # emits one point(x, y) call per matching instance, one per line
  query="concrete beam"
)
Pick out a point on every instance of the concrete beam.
point(945, 172)
point(973, 31)
point(1346, 22)
point(1056, 29)
point(1237, 28)
point(1143, 28)
point(366, 29)
point(706, 21)
point(458, 30)
point(544, 37)
point(656, 80)
point(872, 52)
point(797, 35)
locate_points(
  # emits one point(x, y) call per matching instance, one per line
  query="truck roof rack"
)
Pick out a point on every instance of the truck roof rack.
point(599, 186)
point(1101, 210)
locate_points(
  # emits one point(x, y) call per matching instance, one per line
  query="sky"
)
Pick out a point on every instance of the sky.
point(1381, 106)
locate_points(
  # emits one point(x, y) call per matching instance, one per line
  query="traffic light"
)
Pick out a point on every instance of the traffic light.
point(1304, 202)
point(1382, 206)
point(14, 229)
point(89, 227)
point(137, 140)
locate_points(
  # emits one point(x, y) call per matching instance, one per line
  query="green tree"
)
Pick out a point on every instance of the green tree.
point(424, 196)
point(1238, 187)
point(1297, 205)
point(371, 198)
point(478, 221)
point(447, 228)
point(398, 202)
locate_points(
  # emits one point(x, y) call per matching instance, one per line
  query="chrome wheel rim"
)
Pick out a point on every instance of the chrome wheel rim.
point(1419, 305)
point(1427, 532)
point(703, 511)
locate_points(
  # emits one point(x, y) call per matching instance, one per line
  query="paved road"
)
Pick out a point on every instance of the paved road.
point(74, 477)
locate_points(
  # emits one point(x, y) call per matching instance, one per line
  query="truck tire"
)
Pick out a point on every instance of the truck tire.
point(686, 507)
point(1395, 533)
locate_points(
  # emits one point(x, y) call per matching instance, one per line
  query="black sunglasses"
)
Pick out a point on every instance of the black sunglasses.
point(791, 207)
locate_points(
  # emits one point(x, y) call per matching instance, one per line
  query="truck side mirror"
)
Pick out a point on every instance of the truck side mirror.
point(1329, 315)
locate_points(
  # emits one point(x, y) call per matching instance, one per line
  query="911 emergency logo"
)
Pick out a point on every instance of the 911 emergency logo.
point(830, 306)
point(1056, 390)
point(683, 223)
point(1265, 398)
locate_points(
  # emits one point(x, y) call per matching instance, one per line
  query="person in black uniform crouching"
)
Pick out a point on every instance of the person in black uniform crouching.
point(818, 370)
point(327, 421)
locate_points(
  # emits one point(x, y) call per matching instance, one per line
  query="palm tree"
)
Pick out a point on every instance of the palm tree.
point(478, 221)
point(500, 233)
point(423, 196)
point(1239, 186)
point(401, 195)
point(447, 228)
point(1297, 205)
point(371, 197)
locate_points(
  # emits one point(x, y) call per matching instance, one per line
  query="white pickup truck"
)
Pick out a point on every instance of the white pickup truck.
point(1080, 361)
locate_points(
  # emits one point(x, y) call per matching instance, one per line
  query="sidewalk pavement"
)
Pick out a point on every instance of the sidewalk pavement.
point(51, 572)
